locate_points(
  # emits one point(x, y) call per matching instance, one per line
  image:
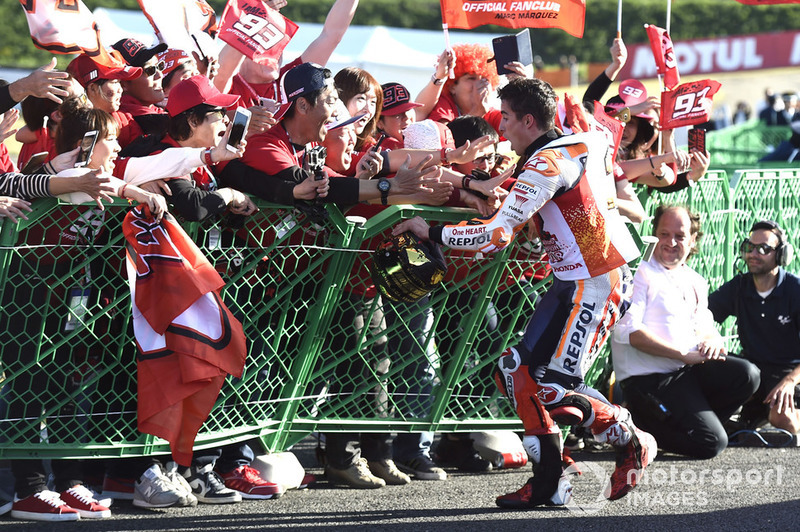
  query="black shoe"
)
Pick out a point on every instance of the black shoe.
point(461, 454)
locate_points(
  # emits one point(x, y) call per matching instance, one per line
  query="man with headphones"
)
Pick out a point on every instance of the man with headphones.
point(766, 304)
point(669, 358)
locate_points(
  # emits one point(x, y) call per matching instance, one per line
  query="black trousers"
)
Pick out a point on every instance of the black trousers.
point(685, 410)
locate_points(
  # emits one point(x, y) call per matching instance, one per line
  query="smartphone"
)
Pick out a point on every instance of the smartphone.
point(35, 162)
point(87, 147)
point(697, 140)
point(269, 104)
point(241, 120)
point(377, 147)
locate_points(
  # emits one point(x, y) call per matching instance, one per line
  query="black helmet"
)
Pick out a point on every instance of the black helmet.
point(405, 268)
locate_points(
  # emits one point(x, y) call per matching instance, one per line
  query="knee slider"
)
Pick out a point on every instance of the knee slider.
point(572, 409)
point(508, 364)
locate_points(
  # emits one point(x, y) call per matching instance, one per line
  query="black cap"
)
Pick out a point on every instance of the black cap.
point(135, 53)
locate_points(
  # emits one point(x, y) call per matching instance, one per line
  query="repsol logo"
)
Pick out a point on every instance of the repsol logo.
point(578, 336)
point(469, 241)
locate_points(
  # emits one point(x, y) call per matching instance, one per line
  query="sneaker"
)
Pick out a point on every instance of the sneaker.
point(357, 475)
point(154, 490)
point(640, 451)
point(423, 468)
point(461, 454)
point(119, 488)
point(43, 506)
point(387, 470)
point(208, 487)
point(308, 479)
point(248, 482)
point(80, 498)
point(180, 483)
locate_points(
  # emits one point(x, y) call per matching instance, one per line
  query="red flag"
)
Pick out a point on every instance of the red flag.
point(66, 27)
point(575, 115)
point(610, 126)
point(181, 369)
point(567, 15)
point(255, 29)
point(664, 54)
point(688, 105)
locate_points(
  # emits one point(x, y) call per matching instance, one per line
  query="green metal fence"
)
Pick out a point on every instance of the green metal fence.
point(325, 353)
point(744, 144)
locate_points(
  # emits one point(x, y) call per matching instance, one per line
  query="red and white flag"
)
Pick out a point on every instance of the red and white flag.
point(176, 21)
point(567, 15)
point(66, 27)
point(188, 340)
point(689, 104)
point(664, 53)
point(255, 29)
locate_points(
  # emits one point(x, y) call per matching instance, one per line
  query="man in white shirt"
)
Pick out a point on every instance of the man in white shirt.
point(670, 359)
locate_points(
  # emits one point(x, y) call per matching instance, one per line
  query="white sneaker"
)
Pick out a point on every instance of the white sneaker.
point(154, 490)
point(181, 484)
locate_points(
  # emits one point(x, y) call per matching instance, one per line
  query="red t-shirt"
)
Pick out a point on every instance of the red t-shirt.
point(446, 111)
point(129, 104)
point(44, 142)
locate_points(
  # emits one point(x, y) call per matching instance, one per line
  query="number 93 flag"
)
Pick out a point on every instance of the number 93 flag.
point(255, 29)
point(689, 104)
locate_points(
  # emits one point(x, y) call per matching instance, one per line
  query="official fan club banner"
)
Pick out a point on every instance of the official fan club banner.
point(258, 31)
point(664, 54)
point(65, 27)
point(567, 15)
point(688, 105)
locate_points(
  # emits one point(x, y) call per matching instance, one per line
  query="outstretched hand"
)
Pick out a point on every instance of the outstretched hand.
point(411, 179)
point(42, 83)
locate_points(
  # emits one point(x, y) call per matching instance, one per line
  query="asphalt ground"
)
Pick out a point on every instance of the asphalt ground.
point(745, 488)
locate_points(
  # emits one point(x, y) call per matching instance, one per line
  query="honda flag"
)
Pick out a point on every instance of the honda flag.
point(664, 54)
point(567, 15)
point(255, 29)
point(688, 105)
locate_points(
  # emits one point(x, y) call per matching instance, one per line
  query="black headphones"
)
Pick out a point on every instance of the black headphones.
point(784, 253)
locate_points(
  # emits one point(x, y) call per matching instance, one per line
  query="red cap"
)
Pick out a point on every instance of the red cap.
point(194, 91)
point(632, 91)
point(172, 59)
point(85, 70)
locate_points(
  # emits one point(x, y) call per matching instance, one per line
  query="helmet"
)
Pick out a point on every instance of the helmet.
point(405, 268)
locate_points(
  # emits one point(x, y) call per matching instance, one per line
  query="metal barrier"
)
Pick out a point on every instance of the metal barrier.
point(744, 144)
point(300, 289)
point(324, 353)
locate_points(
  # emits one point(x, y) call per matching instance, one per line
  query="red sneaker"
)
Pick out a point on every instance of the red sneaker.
point(640, 452)
point(119, 488)
point(43, 506)
point(248, 482)
point(80, 498)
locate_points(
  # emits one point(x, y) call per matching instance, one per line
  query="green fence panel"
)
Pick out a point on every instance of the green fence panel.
point(325, 353)
point(744, 144)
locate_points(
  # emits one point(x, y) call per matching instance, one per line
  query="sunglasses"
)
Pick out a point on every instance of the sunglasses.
point(151, 70)
point(760, 249)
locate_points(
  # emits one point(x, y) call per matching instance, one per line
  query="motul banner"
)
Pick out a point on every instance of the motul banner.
point(688, 105)
point(723, 54)
point(258, 31)
point(567, 15)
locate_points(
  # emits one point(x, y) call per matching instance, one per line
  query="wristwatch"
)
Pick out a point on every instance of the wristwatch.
point(384, 186)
